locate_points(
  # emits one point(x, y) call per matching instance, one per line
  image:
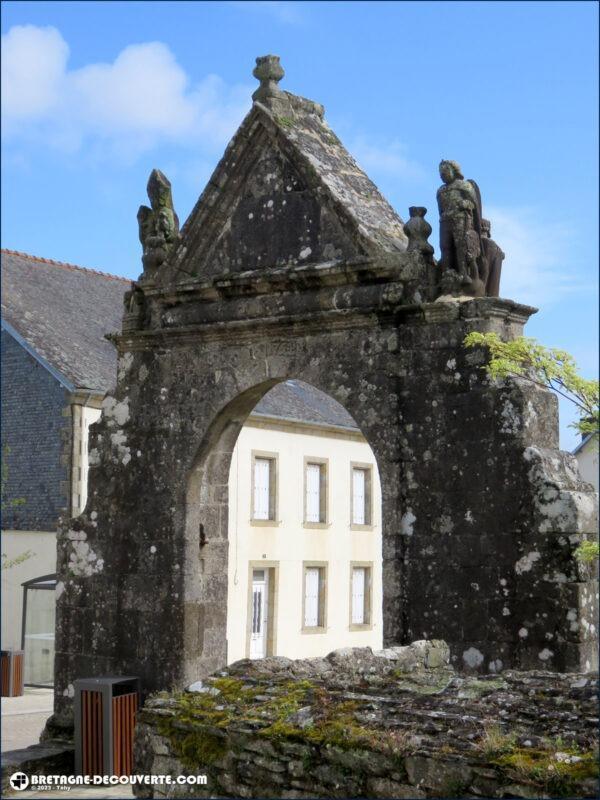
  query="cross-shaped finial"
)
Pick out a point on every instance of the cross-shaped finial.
point(269, 72)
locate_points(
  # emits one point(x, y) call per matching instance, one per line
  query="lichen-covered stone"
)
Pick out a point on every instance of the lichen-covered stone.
point(369, 731)
point(292, 265)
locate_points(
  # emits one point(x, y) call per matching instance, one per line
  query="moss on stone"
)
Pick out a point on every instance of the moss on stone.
point(541, 768)
point(232, 690)
point(193, 745)
point(196, 726)
point(201, 747)
point(286, 122)
point(473, 688)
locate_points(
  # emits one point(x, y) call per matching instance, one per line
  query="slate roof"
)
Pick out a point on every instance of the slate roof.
point(62, 312)
point(348, 184)
point(296, 400)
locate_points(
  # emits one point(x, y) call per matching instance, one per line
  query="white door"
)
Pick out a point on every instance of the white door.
point(260, 601)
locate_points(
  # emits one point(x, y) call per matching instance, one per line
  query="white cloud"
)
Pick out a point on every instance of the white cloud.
point(388, 159)
point(538, 268)
point(33, 66)
point(138, 101)
point(143, 90)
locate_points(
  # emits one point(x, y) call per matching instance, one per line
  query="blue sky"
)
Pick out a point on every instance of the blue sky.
point(94, 95)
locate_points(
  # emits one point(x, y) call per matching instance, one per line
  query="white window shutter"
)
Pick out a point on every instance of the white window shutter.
point(358, 496)
point(313, 493)
point(358, 595)
point(261, 488)
point(311, 597)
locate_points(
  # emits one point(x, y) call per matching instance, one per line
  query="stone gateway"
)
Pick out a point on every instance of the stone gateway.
point(293, 266)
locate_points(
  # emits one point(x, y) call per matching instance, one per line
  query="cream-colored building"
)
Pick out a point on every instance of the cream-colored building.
point(304, 531)
point(586, 454)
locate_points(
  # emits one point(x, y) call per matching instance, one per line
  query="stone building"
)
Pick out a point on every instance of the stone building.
point(292, 266)
point(55, 318)
point(56, 369)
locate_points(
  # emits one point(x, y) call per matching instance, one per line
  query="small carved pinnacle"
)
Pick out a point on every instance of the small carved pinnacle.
point(269, 72)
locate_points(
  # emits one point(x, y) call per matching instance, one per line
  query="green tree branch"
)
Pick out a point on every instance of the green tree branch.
point(544, 366)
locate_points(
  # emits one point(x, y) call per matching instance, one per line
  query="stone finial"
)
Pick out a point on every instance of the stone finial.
point(269, 72)
point(418, 231)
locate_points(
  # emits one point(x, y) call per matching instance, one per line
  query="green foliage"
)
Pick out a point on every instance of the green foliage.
point(545, 366)
point(8, 563)
point(494, 742)
point(587, 552)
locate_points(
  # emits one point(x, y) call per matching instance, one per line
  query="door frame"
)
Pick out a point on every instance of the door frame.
point(272, 568)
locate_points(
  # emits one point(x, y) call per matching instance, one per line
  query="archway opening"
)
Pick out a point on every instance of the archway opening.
point(284, 508)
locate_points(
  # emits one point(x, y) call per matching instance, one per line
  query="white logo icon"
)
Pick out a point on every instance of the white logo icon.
point(19, 781)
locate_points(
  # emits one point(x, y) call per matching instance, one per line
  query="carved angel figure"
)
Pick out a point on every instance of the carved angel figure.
point(158, 225)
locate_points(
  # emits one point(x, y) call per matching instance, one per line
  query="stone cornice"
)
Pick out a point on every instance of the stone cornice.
point(251, 330)
point(467, 308)
point(273, 280)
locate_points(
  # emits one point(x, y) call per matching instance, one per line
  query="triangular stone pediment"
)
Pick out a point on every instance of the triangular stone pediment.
point(286, 193)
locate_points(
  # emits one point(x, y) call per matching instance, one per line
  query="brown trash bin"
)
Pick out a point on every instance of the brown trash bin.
point(105, 715)
point(12, 673)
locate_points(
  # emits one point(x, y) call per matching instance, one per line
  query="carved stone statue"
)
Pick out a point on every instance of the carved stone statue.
point(158, 225)
point(494, 258)
point(459, 202)
point(133, 309)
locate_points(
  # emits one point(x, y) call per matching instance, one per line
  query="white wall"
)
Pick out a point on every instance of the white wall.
point(289, 544)
point(42, 544)
point(587, 460)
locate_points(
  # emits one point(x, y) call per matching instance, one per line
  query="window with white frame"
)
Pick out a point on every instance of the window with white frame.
point(264, 488)
point(361, 490)
point(88, 417)
point(314, 597)
point(360, 613)
point(315, 487)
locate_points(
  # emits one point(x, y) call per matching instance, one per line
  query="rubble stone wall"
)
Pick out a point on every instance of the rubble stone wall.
point(396, 723)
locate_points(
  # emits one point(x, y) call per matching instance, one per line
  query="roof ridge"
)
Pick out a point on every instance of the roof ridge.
point(66, 265)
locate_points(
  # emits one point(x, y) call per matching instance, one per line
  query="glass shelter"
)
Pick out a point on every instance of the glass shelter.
point(37, 637)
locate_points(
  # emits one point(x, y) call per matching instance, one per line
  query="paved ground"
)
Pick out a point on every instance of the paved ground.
point(23, 718)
